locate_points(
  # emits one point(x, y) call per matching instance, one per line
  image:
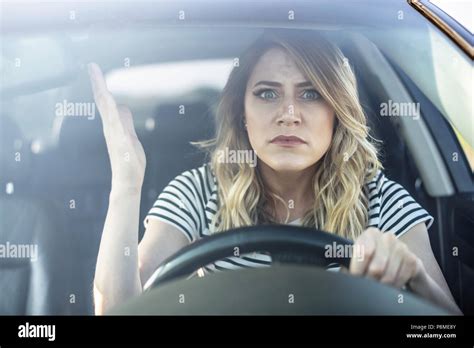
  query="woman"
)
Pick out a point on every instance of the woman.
point(292, 101)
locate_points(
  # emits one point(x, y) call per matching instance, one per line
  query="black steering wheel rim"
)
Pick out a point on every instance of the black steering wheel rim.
point(285, 243)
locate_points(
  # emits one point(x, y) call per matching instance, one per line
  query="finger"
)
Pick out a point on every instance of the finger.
point(97, 78)
point(394, 264)
point(407, 270)
point(366, 243)
point(403, 275)
point(103, 98)
point(379, 261)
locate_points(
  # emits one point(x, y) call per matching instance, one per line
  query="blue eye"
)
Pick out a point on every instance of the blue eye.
point(313, 94)
point(265, 94)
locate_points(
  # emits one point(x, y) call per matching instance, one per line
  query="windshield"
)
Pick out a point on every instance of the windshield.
point(133, 133)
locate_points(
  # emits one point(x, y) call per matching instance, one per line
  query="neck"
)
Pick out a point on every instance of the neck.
point(295, 188)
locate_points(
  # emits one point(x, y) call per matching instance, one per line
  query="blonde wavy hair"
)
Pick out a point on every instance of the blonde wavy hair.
point(340, 197)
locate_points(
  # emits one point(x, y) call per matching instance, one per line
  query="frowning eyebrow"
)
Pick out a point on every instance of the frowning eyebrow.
point(277, 84)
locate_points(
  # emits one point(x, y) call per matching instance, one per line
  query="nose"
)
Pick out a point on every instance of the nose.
point(289, 116)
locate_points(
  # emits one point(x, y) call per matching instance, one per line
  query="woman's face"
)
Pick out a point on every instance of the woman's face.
point(288, 123)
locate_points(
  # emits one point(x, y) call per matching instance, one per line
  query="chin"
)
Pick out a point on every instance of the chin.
point(287, 163)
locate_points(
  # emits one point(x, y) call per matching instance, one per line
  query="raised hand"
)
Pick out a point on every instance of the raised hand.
point(127, 157)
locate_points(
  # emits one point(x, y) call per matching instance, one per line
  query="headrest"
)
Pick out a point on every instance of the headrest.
point(179, 123)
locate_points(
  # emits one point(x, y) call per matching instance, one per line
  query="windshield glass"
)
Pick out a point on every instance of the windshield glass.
point(131, 132)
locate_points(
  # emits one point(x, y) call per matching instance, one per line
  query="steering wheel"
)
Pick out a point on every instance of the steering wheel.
point(257, 291)
point(286, 244)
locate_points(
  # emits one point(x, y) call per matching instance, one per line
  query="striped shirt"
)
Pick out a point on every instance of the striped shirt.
point(190, 201)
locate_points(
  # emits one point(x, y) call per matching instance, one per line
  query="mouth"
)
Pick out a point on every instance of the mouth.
point(287, 140)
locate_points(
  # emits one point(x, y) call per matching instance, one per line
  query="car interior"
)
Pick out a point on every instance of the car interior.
point(61, 184)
